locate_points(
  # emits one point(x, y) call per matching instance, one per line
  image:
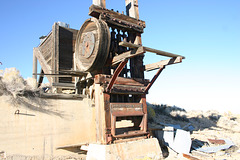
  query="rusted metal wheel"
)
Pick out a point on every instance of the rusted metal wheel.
point(92, 45)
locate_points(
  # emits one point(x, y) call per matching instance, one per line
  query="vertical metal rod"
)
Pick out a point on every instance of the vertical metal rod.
point(153, 80)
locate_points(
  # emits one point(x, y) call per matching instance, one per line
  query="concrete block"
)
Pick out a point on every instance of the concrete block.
point(132, 150)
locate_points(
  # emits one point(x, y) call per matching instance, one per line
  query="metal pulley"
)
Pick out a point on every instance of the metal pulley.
point(92, 45)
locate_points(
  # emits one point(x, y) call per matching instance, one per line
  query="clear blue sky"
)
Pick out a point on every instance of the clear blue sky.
point(206, 32)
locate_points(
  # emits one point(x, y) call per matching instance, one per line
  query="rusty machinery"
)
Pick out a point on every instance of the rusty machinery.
point(108, 62)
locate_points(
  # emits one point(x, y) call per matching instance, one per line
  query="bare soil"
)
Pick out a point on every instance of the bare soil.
point(207, 125)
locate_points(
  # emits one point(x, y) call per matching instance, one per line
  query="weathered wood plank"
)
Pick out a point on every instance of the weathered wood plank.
point(136, 63)
point(34, 66)
point(101, 3)
point(158, 52)
point(132, 8)
point(160, 64)
point(57, 75)
point(55, 51)
point(93, 9)
point(120, 24)
point(46, 39)
point(115, 17)
point(128, 54)
point(62, 96)
point(64, 85)
point(100, 115)
point(43, 63)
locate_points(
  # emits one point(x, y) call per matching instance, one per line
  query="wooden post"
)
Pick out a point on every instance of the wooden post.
point(100, 102)
point(55, 54)
point(132, 8)
point(136, 63)
point(101, 3)
point(34, 67)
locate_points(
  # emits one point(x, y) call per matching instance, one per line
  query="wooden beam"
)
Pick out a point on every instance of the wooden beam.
point(64, 85)
point(160, 64)
point(95, 11)
point(101, 3)
point(158, 52)
point(61, 96)
point(55, 53)
point(34, 66)
point(128, 54)
point(57, 75)
point(132, 8)
point(117, 20)
point(46, 68)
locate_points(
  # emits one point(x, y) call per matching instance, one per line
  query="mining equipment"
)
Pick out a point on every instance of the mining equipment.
point(103, 63)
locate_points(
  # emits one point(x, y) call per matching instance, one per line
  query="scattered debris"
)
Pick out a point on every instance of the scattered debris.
point(188, 127)
point(217, 141)
point(190, 157)
point(215, 149)
point(182, 142)
point(213, 135)
point(196, 143)
point(3, 155)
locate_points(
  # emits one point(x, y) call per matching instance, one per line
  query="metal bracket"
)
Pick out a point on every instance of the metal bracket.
point(154, 79)
point(116, 73)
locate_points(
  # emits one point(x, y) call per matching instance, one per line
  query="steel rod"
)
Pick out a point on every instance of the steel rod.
point(153, 80)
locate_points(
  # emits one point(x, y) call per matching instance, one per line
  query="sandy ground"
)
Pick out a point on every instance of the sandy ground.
point(207, 125)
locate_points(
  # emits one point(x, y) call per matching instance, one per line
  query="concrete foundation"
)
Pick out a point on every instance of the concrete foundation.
point(132, 150)
point(37, 127)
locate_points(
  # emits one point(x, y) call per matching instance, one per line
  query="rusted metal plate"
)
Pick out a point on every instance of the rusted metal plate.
point(127, 113)
point(216, 141)
point(88, 44)
point(117, 106)
point(116, 73)
point(131, 134)
point(105, 79)
point(154, 79)
point(126, 89)
point(126, 109)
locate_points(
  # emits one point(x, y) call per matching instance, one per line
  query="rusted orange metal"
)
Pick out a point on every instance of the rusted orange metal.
point(154, 79)
point(116, 73)
point(216, 141)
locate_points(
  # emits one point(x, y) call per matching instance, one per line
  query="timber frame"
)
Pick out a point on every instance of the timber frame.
point(118, 90)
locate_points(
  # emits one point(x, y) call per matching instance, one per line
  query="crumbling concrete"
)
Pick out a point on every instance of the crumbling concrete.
point(132, 150)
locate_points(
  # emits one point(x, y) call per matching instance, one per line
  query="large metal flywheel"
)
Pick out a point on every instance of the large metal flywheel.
point(92, 45)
